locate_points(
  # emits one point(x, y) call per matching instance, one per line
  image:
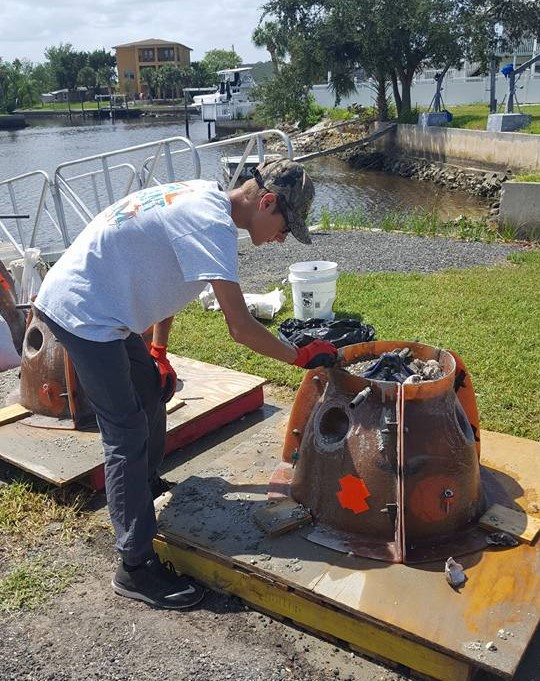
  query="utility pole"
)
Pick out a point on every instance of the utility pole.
point(493, 84)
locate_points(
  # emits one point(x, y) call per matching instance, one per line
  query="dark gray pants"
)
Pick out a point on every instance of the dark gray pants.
point(122, 384)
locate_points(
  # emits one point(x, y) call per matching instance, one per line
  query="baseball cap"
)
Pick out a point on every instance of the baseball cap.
point(294, 190)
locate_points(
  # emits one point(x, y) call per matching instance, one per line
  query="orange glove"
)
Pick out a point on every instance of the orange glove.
point(166, 372)
point(318, 353)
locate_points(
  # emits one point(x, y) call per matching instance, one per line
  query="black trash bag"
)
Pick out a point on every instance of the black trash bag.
point(340, 332)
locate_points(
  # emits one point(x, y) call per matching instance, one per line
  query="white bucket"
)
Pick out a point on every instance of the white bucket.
point(313, 289)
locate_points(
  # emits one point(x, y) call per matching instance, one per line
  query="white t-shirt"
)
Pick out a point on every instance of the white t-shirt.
point(142, 260)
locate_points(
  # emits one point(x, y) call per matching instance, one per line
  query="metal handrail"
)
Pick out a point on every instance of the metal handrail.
point(10, 185)
point(64, 195)
point(250, 138)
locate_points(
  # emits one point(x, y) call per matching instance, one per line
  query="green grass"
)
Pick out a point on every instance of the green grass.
point(474, 117)
point(33, 583)
point(419, 222)
point(27, 512)
point(534, 177)
point(487, 315)
point(34, 518)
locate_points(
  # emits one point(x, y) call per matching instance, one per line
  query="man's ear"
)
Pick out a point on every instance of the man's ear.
point(267, 200)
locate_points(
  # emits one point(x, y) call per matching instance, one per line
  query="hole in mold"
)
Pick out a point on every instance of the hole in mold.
point(334, 425)
point(34, 340)
point(463, 422)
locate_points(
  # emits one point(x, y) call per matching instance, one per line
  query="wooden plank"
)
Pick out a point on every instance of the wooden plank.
point(174, 404)
point(518, 523)
point(282, 516)
point(13, 412)
point(269, 596)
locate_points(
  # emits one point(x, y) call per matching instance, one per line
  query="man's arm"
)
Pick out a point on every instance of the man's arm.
point(244, 328)
point(160, 335)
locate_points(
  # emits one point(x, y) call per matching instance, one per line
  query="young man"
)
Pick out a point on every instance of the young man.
point(134, 266)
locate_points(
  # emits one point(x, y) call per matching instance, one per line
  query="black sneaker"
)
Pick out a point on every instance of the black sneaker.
point(159, 486)
point(157, 584)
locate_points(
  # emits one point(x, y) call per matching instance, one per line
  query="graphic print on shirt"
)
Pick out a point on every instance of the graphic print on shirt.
point(146, 199)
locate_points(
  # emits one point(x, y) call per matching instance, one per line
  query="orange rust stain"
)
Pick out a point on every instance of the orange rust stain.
point(51, 398)
point(427, 501)
point(504, 582)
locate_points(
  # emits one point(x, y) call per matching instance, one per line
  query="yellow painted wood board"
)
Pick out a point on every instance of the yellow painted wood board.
point(13, 412)
point(415, 602)
point(270, 596)
point(518, 523)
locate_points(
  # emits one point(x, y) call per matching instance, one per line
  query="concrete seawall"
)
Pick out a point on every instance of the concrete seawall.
point(503, 151)
point(500, 150)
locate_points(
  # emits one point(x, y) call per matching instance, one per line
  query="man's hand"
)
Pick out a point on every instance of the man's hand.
point(318, 353)
point(166, 372)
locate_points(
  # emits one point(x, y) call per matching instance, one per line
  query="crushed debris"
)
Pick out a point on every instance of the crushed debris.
point(501, 539)
point(399, 366)
point(454, 573)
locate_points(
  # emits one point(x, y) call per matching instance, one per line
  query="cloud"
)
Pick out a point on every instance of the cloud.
point(38, 24)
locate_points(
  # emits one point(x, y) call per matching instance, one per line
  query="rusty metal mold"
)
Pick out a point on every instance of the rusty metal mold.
point(49, 386)
point(388, 470)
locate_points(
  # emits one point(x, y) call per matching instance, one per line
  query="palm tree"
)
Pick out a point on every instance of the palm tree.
point(271, 36)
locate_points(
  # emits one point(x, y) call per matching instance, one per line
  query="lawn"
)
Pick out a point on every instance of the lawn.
point(487, 315)
point(474, 117)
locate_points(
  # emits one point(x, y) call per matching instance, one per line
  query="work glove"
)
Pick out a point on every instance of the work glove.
point(318, 353)
point(166, 372)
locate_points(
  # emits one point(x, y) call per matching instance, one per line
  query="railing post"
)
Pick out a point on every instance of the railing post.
point(60, 214)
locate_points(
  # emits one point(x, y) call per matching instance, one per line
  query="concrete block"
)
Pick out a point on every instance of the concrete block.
point(437, 118)
point(520, 207)
point(507, 122)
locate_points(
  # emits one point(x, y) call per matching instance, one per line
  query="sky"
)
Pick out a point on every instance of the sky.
point(30, 26)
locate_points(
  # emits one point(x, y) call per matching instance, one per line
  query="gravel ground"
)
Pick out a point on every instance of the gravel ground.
point(365, 251)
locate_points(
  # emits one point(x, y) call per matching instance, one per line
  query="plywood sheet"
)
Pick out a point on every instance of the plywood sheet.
point(500, 603)
point(61, 456)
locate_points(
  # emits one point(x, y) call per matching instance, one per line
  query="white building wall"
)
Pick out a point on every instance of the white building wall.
point(455, 91)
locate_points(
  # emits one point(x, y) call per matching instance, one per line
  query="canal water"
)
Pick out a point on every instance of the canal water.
point(339, 189)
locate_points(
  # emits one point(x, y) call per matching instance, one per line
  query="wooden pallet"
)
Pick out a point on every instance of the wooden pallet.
point(407, 615)
point(213, 396)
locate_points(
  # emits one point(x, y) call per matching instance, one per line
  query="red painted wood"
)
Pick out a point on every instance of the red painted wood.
point(193, 430)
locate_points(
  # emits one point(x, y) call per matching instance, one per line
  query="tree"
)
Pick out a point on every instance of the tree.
point(394, 39)
point(217, 60)
point(101, 59)
point(284, 98)
point(150, 76)
point(87, 77)
point(390, 39)
point(271, 36)
point(65, 64)
point(200, 75)
point(516, 19)
point(42, 75)
point(106, 77)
